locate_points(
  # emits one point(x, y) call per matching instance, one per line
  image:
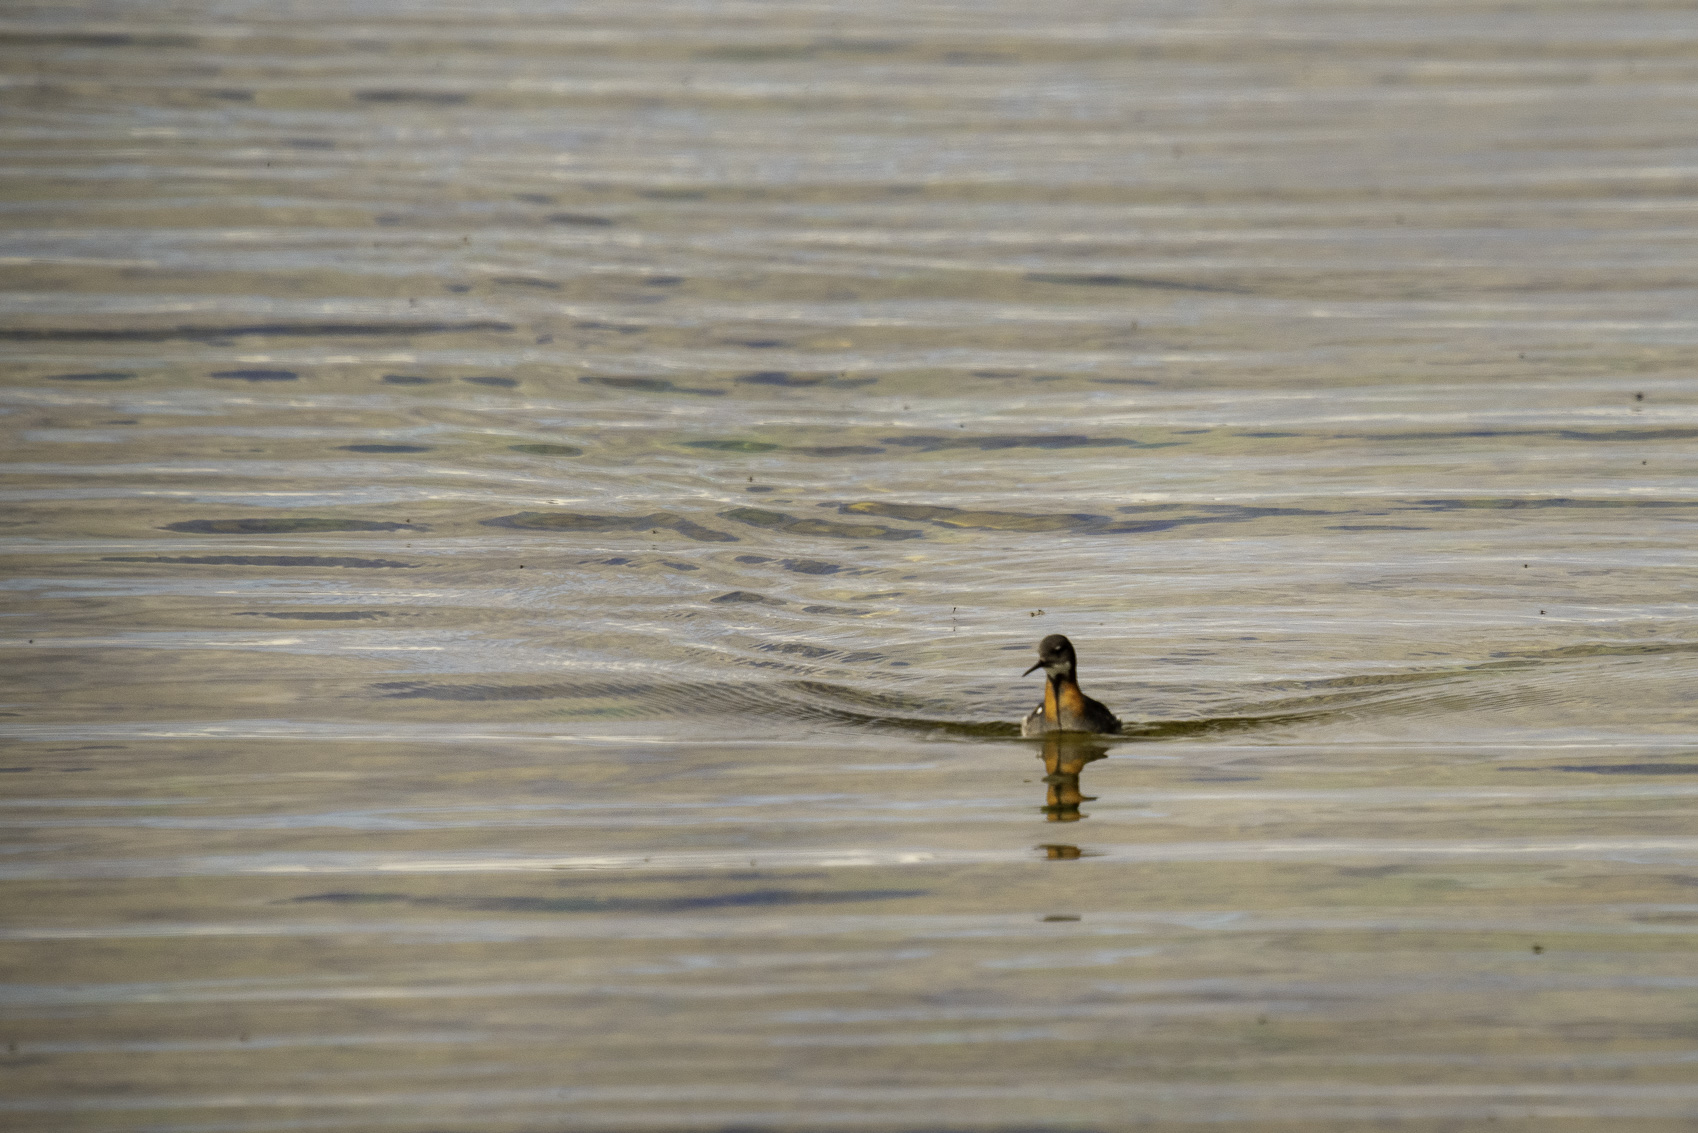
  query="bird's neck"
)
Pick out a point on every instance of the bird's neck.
point(1061, 689)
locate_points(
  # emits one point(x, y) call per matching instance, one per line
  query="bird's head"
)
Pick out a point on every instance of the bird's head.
point(1055, 657)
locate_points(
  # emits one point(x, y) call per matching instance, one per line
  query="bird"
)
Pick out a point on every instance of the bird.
point(1065, 707)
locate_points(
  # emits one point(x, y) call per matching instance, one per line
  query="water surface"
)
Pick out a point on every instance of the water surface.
point(523, 523)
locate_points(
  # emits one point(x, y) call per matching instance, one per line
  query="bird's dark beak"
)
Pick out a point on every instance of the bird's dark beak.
point(1039, 665)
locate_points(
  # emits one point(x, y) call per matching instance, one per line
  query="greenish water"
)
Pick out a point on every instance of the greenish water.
point(523, 525)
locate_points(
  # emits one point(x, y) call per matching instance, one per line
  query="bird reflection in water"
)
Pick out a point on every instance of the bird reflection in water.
point(1065, 755)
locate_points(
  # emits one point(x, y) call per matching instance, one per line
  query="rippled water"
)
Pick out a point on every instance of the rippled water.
point(524, 522)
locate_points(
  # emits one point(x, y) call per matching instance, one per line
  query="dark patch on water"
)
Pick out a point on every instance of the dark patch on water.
point(1669, 434)
point(526, 281)
point(778, 521)
point(768, 446)
point(384, 448)
point(283, 526)
point(1375, 527)
point(748, 596)
point(648, 385)
point(679, 566)
point(261, 560)
point(1079, 522)
point(934, 442)
point(493, 382)
point(860, 46)
point(752, 559)
point(317, 615)
point(579, 219)
point(783, 378)
point(1239, 511)
point(786, 379)
point(94, 39)
point(1617, 768)
point(978, 59)
point(733, 446)
point(547, 450)
point(410, 380)
point(345, 898)
point(258, 375)
point(810, 566)
point(985, 520)
point(1488, 503)
point(847, 611)
point(744, 899)
point(756, 53)
point(202, 333)
point(574, 522)
point(101, 376)
point(1107, 280)
point(428, 97)
point(797, 649)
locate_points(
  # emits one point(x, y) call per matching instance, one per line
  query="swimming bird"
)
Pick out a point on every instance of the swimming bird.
point(1065, 707)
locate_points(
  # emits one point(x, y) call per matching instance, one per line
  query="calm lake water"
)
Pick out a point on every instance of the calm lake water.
point(524, 522)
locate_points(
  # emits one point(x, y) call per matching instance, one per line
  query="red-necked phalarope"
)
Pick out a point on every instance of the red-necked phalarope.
point(1065, 707)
